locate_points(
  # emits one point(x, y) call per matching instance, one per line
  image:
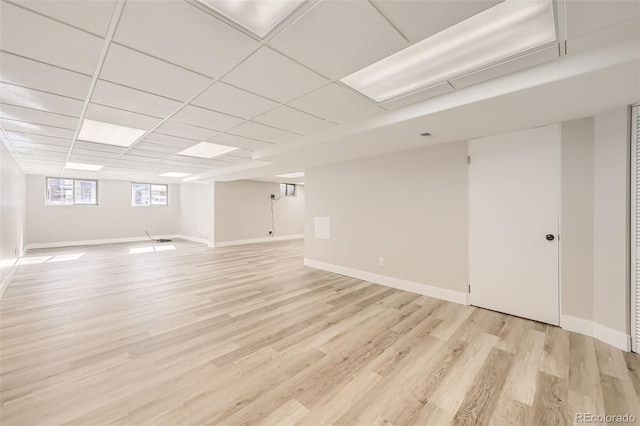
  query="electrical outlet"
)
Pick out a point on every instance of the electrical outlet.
point(381, 261)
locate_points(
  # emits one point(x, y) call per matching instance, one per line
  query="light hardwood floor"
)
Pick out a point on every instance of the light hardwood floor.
point(128, 335)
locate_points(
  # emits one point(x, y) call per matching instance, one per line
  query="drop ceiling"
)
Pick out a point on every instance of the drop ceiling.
point(184, 75)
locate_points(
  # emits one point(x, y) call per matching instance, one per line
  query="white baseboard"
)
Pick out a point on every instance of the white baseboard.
point(95, 242)
point(259, 240)
point(410, 286)
point(7, 280)
point(596, 330)
point(194, 239)
point(577, 325)
point(613, 337)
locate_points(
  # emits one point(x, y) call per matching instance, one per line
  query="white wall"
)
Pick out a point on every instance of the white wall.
point(611, 219)
point(197, 212)
point(576, 218)
point(113, 217)
point(243, 211)
point(409, 208)
point(12, 214)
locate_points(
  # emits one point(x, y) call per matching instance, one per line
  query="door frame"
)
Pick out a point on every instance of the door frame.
point(633, 243)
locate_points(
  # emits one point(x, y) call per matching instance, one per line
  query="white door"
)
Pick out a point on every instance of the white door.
point(514, 186)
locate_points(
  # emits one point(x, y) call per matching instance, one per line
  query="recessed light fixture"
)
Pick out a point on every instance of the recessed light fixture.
point(506, 30)
point(292, 175)
point(80, 166)
point(258, 16)
point(175, 174)
point(107, 133)
point(207, 150)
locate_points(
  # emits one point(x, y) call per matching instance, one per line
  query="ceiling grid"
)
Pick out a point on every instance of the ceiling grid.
point(184, 74)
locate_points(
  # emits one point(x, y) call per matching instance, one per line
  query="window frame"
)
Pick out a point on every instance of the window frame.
point(151, 204)
point(286, 191)
point(73, 190)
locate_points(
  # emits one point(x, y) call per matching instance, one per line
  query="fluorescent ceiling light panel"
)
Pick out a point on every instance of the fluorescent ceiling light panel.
point(292, 175)
point(503, 31)
point(258, 16)
point(207, 150)
point(175, 174)
point(80, 166)
point(107, 133)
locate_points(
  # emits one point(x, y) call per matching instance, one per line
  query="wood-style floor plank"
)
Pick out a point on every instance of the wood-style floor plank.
point(168, 334)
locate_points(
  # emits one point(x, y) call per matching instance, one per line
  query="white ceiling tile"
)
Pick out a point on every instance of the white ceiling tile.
point(36, 75)
point(94, 154)
point(28, 34)
point(88, 159)
point(99, 147)
point(117, 96)
point(418, 20)
point(234, 159)
point(138, 158)
point(93, 16)
point(46, 161)
point(41, 154)
point(176, 128)
point(187, 159)
point(206, 118)
point(147, 153)
point(331, 102)
point(217, 162)
point(337, 38)
point(224, 98)
point(127, 164)
point(139, 71)
point(175, 161)
point(36, 129)
point(33, 138)
point(183, 34)
point(239, 142)
point(293, 120)
point(160, 138)
point(160, 148)
point(618, 33)
point(364, 114)
point(35, 116)
point(584, 17)
point(264, 133)
point(121, 171)
point(120, 117)
point(271, 74)
point(35, 99)
point(24, 146)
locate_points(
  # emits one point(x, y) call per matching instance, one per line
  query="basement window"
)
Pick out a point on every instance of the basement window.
point(149, 194)
point(67, 192)
point(287, 190)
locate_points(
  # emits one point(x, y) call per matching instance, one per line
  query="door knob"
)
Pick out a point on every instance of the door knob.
point(550, 237)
